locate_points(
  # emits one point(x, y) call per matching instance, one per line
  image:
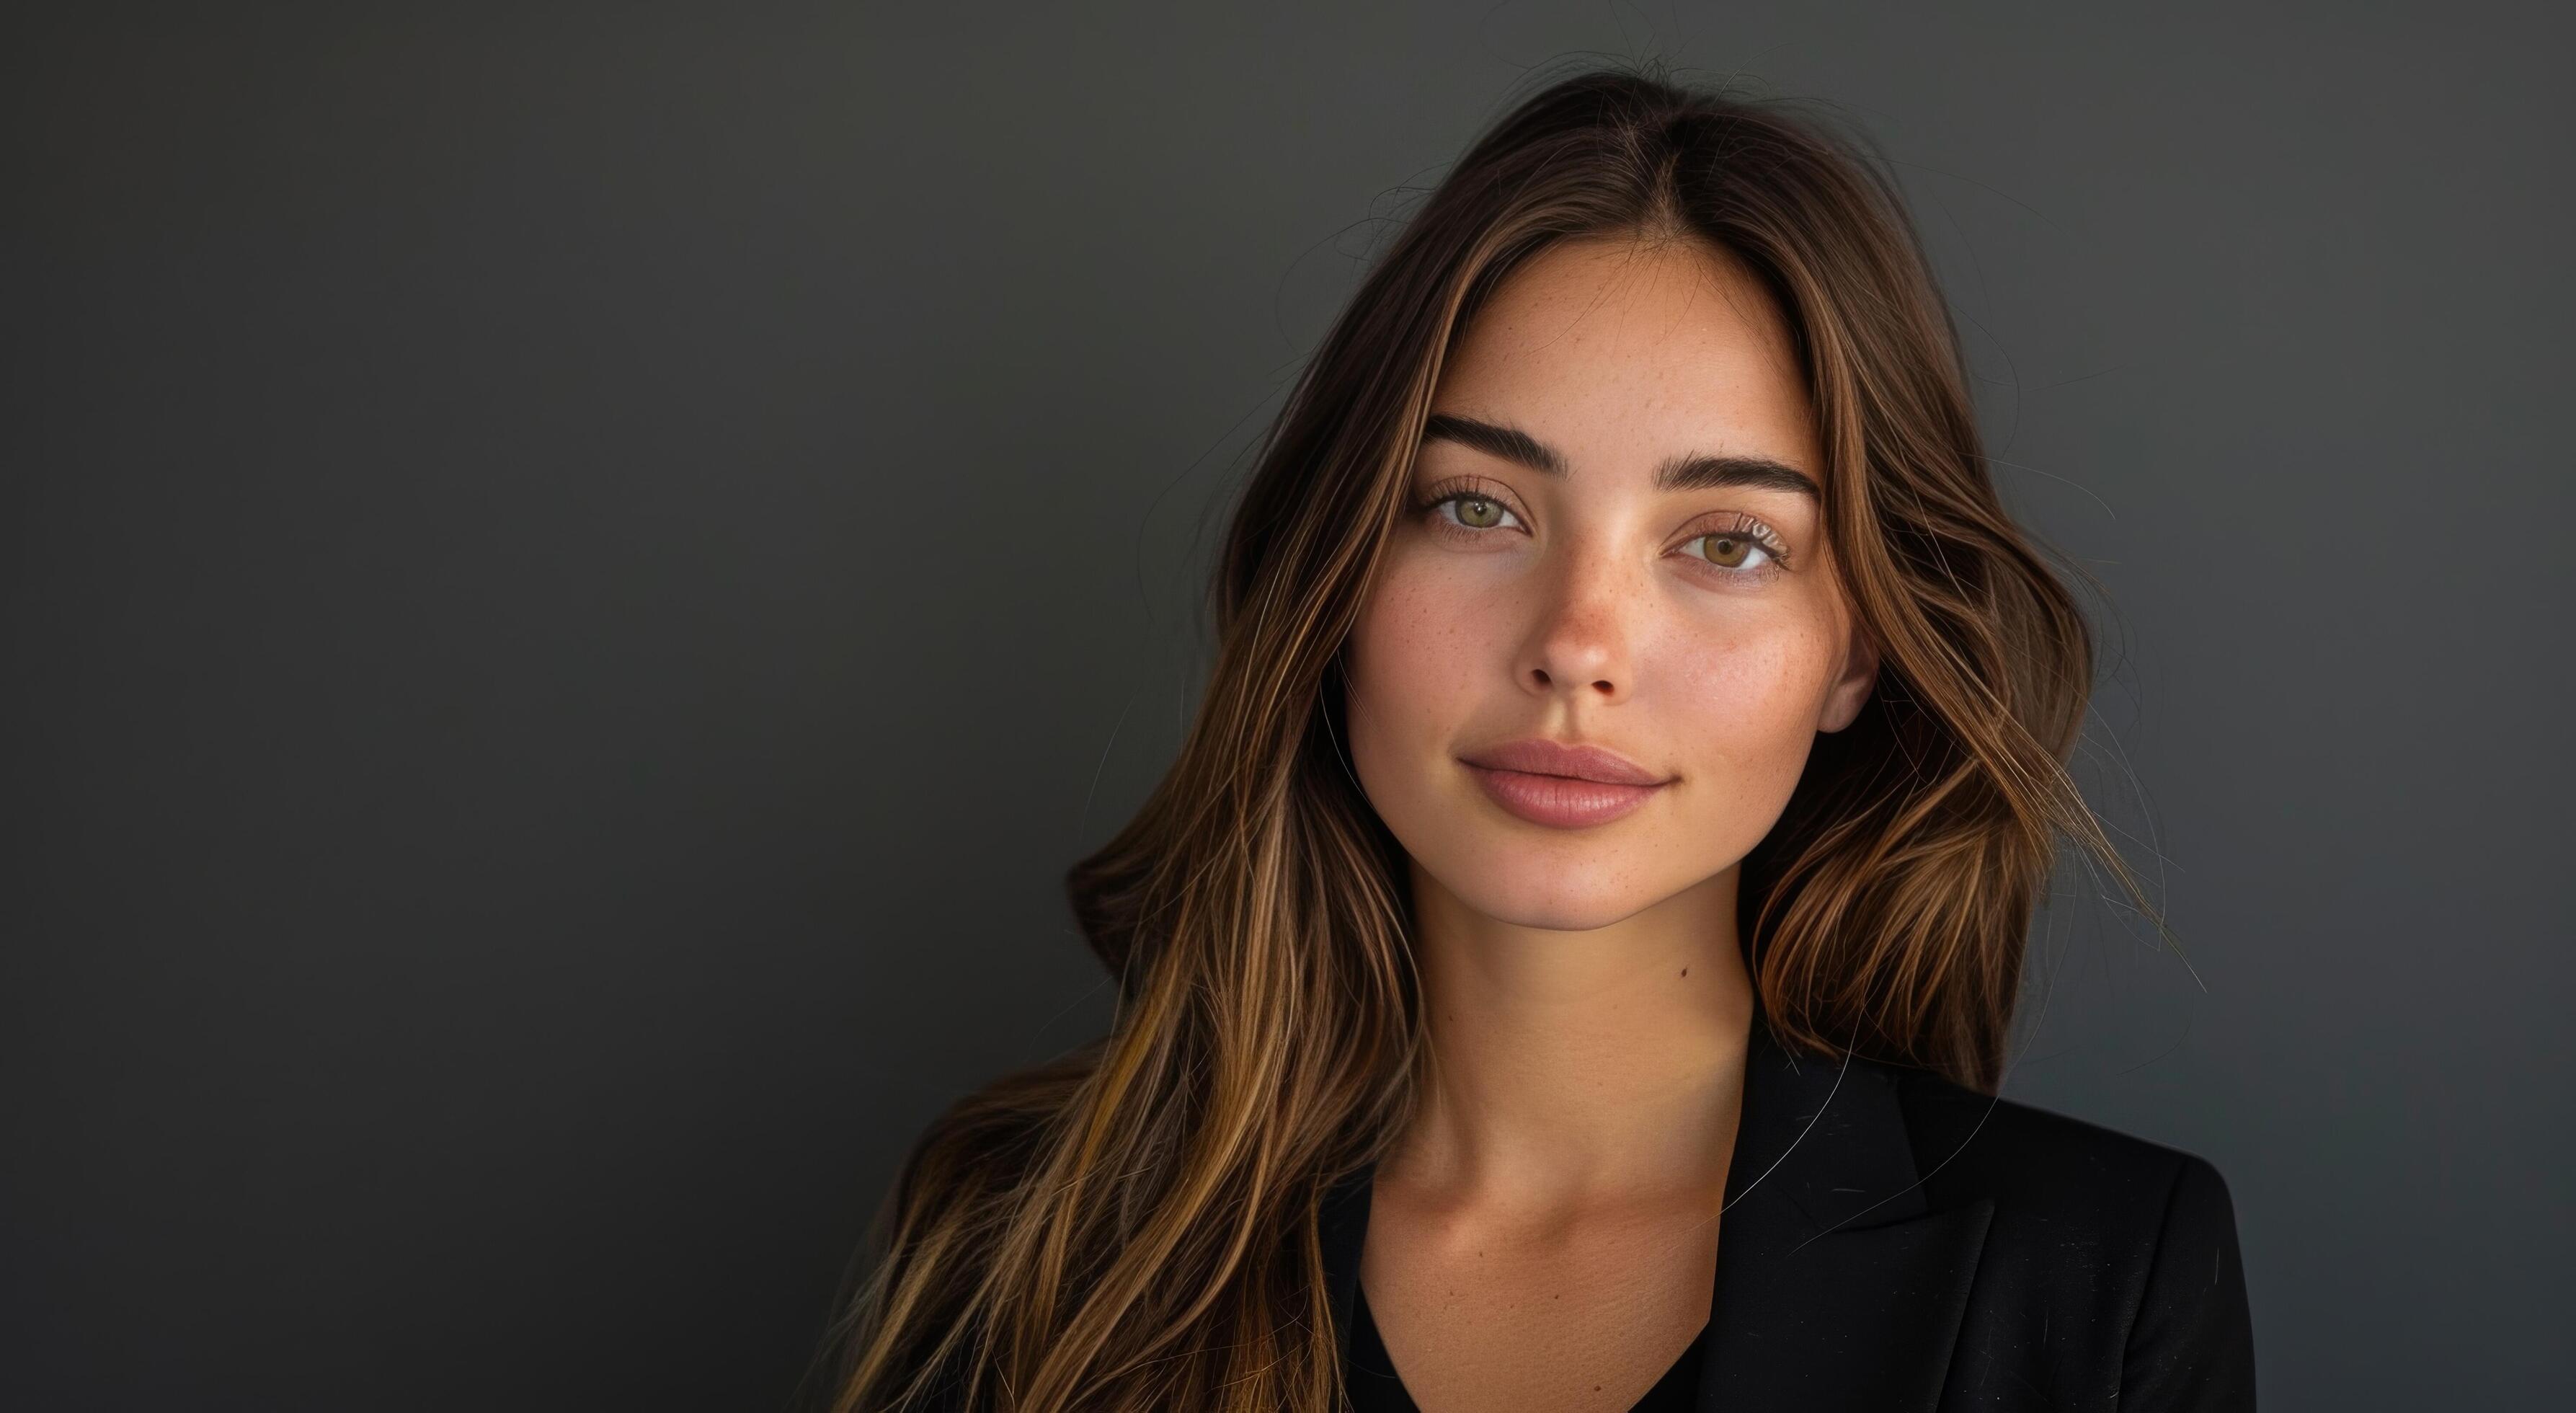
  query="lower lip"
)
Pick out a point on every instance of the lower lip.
point(1559, 801)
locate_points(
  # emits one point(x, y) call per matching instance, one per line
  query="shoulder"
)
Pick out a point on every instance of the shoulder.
point(2131, 1241)
point(2053, 1166)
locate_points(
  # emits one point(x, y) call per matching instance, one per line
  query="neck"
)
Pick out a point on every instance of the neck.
point(1567, 1067)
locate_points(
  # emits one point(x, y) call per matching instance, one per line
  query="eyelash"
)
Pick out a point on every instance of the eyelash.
point(1738, 526)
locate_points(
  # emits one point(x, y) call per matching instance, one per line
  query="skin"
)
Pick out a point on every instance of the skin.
point(1544, 1234)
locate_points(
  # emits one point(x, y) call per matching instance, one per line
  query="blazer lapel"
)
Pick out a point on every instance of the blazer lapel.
point(1837, 1286)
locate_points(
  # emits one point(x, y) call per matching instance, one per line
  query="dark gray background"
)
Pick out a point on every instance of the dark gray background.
point(575, 576)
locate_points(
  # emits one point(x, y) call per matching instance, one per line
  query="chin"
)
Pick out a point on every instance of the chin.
point(1526, 889)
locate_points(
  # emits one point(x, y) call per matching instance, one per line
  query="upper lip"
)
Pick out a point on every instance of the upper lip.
point(1540, 756)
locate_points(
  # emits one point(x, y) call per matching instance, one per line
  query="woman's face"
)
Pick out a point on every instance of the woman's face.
point(1611, 544)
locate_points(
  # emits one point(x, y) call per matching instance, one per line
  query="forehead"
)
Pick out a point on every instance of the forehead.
point(1625, 350)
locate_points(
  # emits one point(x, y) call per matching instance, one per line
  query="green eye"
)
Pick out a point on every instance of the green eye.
point(1476, 513)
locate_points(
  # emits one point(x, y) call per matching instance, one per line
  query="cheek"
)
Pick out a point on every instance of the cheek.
point(1746, 700)
point(1413, 662)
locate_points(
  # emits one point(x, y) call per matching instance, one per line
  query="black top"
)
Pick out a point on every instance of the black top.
point(1895, 1243)
point(1376, 1388)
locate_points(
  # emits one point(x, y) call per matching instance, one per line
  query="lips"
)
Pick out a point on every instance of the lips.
point(1561, 786)
point(1537, 755)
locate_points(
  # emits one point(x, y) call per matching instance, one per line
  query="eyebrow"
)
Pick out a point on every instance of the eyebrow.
point(1690, 471)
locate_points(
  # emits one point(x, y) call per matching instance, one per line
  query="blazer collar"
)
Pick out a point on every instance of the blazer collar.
point(1838, 1286)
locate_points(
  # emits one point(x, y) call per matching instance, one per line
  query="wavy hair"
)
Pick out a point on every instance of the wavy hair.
point(1134, 1226)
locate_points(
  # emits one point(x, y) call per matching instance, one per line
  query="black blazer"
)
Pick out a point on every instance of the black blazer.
point(1895, 1242)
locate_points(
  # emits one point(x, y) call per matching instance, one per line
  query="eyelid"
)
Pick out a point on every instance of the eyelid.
point(1729, 522)
point(1494, 491)
point(1468, 489)
point(1738, 522)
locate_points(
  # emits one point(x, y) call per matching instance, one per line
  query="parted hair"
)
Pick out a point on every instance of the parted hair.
point(1134, 1226)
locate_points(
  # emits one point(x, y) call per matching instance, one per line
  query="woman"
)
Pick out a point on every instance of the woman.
point(1569, 964)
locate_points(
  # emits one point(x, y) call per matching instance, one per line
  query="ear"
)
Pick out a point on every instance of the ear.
point(1850, 690)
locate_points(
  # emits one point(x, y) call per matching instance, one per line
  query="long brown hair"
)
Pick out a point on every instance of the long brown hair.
point(1135, 1226)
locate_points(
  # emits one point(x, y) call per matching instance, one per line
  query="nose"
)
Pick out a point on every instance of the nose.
point(1580, 645)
